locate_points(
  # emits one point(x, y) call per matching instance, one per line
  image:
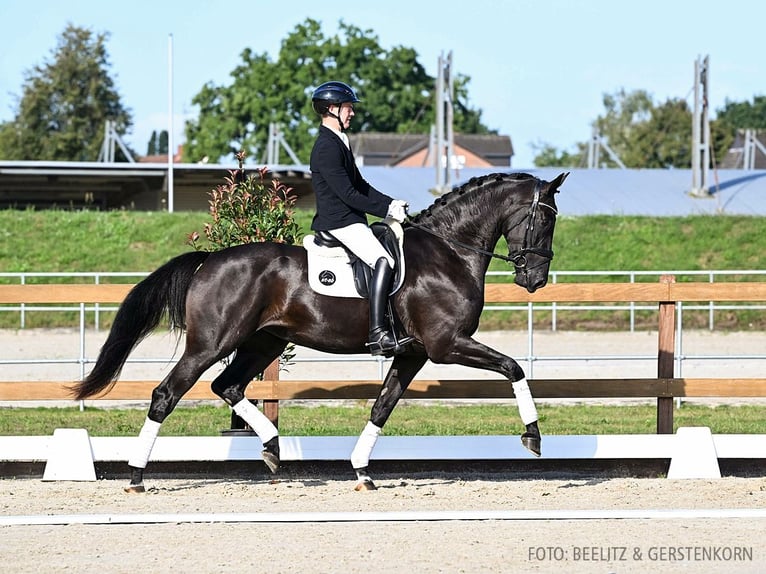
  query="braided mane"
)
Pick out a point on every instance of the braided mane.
point(449, 205)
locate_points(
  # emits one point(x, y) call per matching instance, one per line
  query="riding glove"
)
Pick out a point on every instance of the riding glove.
point(397, 210)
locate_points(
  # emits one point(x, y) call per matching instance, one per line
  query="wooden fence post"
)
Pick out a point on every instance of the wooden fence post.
point(271, 406)
point(666, 358)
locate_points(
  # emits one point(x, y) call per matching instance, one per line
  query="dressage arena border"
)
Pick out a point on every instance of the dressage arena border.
point(384, 516)
point(693, 451)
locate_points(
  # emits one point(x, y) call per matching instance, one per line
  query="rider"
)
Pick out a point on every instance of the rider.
point(343, 200)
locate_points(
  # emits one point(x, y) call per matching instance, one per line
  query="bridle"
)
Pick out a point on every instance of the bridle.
point(519, 257)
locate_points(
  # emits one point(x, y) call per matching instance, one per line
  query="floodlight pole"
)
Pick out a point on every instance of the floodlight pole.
point(171, 149)
point(444, 133)
point(700, 129)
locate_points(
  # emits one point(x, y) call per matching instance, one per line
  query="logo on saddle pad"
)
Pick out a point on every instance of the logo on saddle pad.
point(337, 272)
point(327, 277)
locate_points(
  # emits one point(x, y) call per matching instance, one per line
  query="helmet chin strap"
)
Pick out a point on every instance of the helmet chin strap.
point(337, 117)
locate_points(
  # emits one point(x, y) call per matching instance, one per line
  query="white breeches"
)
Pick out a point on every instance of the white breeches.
point(360, 240)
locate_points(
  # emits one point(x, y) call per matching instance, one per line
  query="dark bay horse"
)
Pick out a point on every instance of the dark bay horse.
point(248, 302)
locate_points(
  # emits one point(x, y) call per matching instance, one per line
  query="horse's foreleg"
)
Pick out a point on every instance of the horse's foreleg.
point(466, 351)
point(401, 373)
point(528, 412)
point(360, 456)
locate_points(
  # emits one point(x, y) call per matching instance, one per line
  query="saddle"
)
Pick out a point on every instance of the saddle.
point(336, 271)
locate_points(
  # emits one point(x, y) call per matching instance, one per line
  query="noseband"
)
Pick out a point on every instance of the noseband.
point(519, 257)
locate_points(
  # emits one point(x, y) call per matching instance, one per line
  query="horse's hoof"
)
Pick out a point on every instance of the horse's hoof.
point(135, 488)
point(531, 443)
point(271, 460)
point(365, 485)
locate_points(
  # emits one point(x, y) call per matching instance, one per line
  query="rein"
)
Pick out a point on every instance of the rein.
point(518, 257)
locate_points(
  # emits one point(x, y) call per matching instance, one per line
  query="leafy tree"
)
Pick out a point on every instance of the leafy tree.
point(549, 156)
point(744, 115)
point(624, 112)
point(642, 134)
point(663, 140)
point(151, 147)
point(162, 142)
point(158, 144)
point(65, 103)
point(397, 94)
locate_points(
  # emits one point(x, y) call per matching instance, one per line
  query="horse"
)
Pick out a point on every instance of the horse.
point(248, 302)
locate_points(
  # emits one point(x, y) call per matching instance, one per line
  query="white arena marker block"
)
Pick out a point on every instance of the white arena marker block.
point(694, 455)
point(70, 456)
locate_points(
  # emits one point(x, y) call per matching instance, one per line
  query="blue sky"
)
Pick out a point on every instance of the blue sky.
point(538, 69)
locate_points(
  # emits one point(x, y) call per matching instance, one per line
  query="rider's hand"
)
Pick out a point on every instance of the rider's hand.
point(397, 210)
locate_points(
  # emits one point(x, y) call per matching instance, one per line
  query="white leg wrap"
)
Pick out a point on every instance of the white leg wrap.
point(259, 422)
point(525, 402)
point(360, 456)
point(144, 443)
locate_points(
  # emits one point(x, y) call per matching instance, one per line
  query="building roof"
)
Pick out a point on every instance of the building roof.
point(651, 192)
point(372, 148)
point(655, 192)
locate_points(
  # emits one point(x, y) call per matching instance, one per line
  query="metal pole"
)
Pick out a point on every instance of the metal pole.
point(449, 131)
point(439, 126)
point(171, 144)
point(700, 130)
point(705, 127)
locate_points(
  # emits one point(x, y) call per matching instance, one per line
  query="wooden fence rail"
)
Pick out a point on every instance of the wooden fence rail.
point(664, 388)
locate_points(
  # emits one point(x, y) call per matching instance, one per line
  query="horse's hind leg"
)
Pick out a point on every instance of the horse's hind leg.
point(402, 371)
point(165, 397)
point(251, 359)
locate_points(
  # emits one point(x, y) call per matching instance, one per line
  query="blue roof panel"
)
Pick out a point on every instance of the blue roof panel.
point(650, 192)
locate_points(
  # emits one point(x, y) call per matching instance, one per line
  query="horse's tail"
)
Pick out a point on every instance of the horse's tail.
point(161, 293)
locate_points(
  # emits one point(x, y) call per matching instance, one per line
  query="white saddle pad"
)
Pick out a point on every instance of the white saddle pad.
point(330, 271)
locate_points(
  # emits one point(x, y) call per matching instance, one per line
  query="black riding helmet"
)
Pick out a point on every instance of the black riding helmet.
point(332, 94)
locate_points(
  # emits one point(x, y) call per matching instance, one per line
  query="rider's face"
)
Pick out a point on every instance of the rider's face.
point(345, 113)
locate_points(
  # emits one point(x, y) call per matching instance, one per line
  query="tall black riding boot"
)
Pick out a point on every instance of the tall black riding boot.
point(382, 342)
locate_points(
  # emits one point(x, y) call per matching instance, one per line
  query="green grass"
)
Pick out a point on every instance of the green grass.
point(407, 419)
point(69, 241)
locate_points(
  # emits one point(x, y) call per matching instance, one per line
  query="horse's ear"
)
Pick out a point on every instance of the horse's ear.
point(556, 183)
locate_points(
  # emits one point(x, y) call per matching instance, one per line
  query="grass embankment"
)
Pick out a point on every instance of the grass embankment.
point(407, 419)
point(58, 241)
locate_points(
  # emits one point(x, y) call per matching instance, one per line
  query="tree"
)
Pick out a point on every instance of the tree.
point(158, 144)
point(744, 115)
point(642, 134)
point(549, 156)
point(625, 111)
point(65, 103)
point(662, 140)
point(397, 94)
point(151, 147)
point(162, 143)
